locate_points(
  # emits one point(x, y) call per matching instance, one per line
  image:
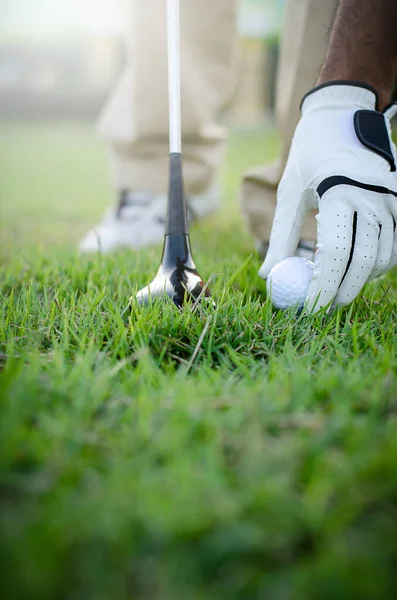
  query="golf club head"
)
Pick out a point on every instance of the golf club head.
point(177, 276)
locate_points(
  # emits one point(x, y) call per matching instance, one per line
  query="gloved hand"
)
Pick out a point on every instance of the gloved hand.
point(342, 162)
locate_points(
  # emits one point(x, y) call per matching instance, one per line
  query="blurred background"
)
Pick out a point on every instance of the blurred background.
point(58, 62)
point(59, 59)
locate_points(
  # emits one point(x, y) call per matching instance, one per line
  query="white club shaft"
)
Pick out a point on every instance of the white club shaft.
point(174, 74)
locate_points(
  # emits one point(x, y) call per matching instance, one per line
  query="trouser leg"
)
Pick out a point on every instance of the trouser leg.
point(303, 46)
point(135, 120)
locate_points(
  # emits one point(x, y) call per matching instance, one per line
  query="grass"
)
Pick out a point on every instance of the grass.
point(141, 459)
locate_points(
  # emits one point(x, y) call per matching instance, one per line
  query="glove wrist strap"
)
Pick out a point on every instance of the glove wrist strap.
point(353, 93)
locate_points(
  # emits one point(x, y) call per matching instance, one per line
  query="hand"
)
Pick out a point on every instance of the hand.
point(342, 162)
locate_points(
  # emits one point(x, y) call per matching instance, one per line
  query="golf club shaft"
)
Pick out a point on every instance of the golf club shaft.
point(176, 221)
point(177, 276)
point(174, 75)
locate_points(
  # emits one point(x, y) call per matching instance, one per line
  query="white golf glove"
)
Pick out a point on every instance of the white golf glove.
point(342, 162)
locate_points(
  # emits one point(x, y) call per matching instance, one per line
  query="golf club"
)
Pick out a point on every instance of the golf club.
point(177, 276)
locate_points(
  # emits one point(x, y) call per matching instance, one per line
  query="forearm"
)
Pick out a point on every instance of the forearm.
point(363, 46)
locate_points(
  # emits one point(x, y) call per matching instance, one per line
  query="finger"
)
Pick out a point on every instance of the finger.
point(336, 233)
point(385, 246)
point(363, 259)
point(288, 222)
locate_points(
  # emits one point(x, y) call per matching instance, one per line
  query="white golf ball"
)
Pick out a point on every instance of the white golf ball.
point(288, 282)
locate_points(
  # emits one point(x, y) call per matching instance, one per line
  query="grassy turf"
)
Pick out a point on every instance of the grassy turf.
point(229, 453)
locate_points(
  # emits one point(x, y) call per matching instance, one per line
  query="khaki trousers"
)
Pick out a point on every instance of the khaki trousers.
point(135, 120)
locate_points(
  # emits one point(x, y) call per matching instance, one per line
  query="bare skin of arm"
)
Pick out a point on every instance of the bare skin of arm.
point(363, 46)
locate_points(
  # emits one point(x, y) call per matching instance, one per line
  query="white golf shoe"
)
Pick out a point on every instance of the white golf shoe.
point(138, 221)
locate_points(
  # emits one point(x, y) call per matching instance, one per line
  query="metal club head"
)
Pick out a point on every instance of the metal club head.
point(177, 276)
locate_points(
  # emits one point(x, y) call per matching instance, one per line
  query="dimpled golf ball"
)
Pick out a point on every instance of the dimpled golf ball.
point(288, 282)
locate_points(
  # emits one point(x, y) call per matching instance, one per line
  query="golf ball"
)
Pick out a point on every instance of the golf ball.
point(288, 282)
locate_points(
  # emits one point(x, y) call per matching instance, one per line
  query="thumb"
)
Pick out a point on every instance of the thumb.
point(291, 210)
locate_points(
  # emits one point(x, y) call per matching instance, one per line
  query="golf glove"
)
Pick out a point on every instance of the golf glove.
point(342, 163)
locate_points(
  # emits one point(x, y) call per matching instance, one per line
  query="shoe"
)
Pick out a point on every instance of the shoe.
point(306, 249)
point(138, 220)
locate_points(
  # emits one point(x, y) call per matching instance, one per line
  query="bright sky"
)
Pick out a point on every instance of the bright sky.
point(57, 19)
point(54, 18)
